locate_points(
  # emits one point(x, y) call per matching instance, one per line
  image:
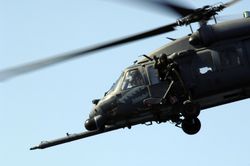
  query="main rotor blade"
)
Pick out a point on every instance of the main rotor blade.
point(164, 6)
point(231, 3)
point(182, 11)
point(29, 67)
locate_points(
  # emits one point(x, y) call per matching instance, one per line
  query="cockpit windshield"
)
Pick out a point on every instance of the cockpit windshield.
point(116, 84)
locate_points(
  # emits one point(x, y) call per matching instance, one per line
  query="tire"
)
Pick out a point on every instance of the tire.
point(191, 126)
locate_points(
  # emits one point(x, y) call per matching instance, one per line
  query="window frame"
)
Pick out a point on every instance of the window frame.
point(149, 75)
point(125, 75)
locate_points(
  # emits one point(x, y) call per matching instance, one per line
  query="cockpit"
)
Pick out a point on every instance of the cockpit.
point(129, 79)
point(135, 77)
point(126, 95)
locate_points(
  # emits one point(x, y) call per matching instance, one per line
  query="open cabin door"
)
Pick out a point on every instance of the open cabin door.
point(157, 88)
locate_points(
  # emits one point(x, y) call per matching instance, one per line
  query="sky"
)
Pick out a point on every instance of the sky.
point(46, 104)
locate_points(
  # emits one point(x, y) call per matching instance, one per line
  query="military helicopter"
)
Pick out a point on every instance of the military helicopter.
point(201, 70)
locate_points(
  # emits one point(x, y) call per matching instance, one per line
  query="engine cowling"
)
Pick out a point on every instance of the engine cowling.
point(208, 34)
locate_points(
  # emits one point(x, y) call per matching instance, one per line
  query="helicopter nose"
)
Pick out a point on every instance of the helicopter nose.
point(90, 124)
point(99, 114)
point(95, 123)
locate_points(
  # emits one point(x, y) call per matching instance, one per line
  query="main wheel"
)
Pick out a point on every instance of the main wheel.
point(191, 126)
point(190, 110)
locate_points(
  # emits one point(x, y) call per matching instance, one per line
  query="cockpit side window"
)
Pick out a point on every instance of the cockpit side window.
point(132, 79)
point(153, 75)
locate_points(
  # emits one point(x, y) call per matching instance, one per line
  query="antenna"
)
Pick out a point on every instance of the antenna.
point(149, 58)
point(214, 19)
point(190, 26)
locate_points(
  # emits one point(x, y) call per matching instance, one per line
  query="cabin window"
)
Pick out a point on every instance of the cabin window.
point(230, 57)
point(153, 75)
point(203, 63)
point(132, 79)
point(205, 70)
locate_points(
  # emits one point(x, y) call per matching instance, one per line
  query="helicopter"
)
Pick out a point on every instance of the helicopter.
point(201, 70)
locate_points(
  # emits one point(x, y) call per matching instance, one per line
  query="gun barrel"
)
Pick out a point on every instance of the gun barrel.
point(71, 137)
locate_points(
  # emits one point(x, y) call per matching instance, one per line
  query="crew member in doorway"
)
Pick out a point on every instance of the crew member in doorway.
point(169, 71)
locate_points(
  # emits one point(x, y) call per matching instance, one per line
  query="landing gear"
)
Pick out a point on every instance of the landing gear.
point(191, 126)
point(190, 110)
point(178, 95)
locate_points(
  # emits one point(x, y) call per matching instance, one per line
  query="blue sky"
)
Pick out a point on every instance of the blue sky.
point(49, 103)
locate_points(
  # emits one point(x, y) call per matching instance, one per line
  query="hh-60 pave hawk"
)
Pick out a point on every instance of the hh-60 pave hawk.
point(207, 68)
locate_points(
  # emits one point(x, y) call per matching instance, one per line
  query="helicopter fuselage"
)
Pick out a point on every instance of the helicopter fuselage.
point(207, 68)
point(214, 64)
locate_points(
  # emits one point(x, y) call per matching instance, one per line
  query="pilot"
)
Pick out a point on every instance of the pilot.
point(136, 78)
